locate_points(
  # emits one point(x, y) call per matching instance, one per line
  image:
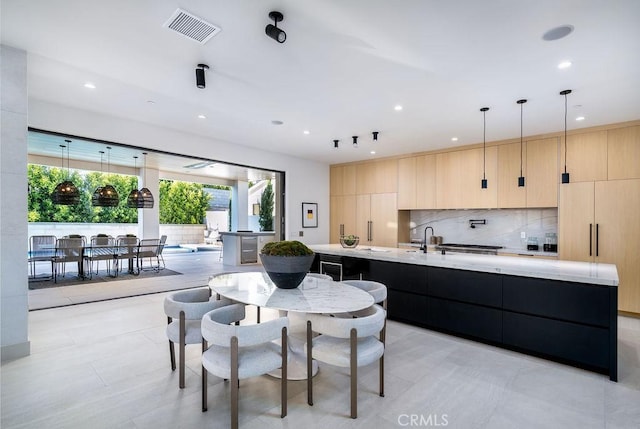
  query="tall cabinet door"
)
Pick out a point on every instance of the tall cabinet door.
point(342, 217)
point(384, 219)
point(618, 236)
point(363, 218)
point(576, 223)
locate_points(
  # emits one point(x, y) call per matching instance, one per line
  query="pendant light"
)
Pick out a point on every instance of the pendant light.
point(141, 199)
point(65, 193)
point(521, 178)
point(105, 196)
point(484, 147)
point(565, 175)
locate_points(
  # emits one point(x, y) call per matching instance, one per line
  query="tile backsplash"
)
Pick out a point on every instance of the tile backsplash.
point(503, 226)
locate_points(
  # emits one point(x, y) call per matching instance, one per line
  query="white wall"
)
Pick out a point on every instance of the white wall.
point(306, 181)
point(14, 339)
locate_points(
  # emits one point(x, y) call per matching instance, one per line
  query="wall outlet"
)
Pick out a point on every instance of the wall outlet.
point(300, 233)
point(523, 235)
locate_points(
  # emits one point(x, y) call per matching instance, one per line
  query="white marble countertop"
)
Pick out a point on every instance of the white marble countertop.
point(314, 295)
point(504, 250)
point(247, 233)
point(571, 271)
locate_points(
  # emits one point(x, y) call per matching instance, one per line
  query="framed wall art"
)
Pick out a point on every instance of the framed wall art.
point(309, 215)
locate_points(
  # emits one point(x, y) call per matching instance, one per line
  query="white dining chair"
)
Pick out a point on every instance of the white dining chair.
point(348, 343)
point(238, 352)
point(184, 312)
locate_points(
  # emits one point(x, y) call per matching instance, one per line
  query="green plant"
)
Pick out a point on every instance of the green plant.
point(286, 248)
point(266, 208)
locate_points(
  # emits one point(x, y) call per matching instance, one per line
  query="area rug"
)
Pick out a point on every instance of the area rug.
point(72, 279)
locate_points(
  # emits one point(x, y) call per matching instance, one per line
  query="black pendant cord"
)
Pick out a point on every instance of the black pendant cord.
point(565, 131)
point(483, 182)
point(521, 139)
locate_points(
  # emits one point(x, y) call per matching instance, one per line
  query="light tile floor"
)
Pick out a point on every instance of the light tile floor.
point(106, 365)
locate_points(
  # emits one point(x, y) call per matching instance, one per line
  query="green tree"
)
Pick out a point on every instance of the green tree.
point(182, 202)
point(266, 208)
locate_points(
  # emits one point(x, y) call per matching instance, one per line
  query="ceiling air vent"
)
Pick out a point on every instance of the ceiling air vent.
point(191, 26)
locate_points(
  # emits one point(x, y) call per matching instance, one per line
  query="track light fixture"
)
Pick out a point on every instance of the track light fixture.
point(484, 147)
point(335, 144)
point(200, 82)
point(272, 30)
point(355, 141)
point(375, 135)
point(565, 175)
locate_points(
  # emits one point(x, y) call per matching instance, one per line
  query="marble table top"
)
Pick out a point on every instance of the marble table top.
point(314, 295)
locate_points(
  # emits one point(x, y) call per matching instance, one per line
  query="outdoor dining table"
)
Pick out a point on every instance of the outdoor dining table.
point(314, 295)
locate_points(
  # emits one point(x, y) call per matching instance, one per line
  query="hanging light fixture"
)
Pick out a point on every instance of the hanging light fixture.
point(65, 193)
point(484, 147)
point(105, 196)
point(141, 199)
point(565, 175)
point(521, 178)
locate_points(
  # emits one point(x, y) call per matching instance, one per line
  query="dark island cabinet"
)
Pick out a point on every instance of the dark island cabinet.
point(573, 323)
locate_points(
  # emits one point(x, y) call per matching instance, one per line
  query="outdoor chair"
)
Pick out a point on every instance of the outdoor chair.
point(238, 352)
point(102, 248)
point(42, 248)
point(68, 250)
point(126, 248)
point(148, 248)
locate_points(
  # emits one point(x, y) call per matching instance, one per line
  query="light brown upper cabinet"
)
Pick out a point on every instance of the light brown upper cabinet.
point(623, 153)
point(458, 177)
point(377, 177)
point(586, 157)
point(541, 179)
point(417, 182)
point(510, 195)
point(407, 183)
point(343, 180)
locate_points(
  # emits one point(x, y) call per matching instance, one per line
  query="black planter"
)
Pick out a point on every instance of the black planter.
point(286, 272)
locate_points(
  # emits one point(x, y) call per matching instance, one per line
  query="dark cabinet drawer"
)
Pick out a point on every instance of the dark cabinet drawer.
point(407, 307)
point(588, 345)
point(404, 277)
point(467, 286)
point(559, 300)
point(466, 319)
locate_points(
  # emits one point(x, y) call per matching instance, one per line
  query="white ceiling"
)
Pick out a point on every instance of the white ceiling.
point(343, 68)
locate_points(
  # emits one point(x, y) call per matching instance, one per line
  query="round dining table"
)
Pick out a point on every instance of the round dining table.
point(313, 295)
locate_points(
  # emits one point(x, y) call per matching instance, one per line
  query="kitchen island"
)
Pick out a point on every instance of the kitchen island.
point(561, 310)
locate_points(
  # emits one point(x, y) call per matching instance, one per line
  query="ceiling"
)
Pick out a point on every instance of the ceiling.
point(344, 67)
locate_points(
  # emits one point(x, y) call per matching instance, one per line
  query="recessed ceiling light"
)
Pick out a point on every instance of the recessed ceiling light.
point(276, 122)
point(306, 132)
point(151, 102)
point(397, 108)
point(580, 118)
point(558, 33)
point(373, 152)
point(89, 85)
point(564, 65)
point(454, 139)
point(202, 116)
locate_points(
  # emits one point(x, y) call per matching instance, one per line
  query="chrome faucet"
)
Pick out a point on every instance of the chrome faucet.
point(424, 242)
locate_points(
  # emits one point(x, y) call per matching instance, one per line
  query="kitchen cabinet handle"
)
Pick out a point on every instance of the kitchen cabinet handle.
point(369, 231)
point(341, 229)
point(590, 239)
point(597, 238)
